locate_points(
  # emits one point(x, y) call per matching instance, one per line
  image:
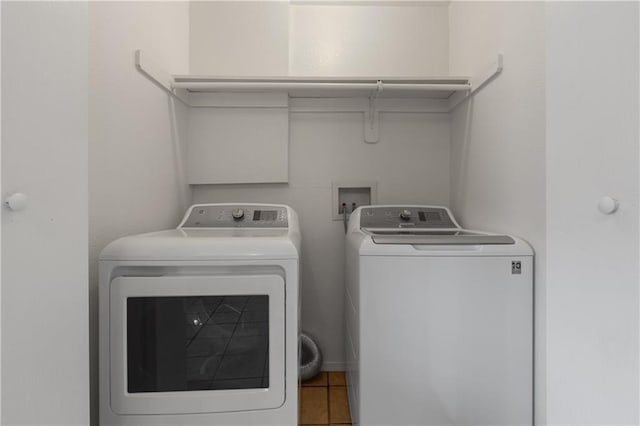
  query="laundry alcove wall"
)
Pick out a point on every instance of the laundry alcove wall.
point(136, 134)
point(531, 155)
point(410, 162)
point(147, 142)
point(295, 134)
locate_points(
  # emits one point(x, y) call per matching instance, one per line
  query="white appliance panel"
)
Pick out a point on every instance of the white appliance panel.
point(447, 332)
point(158, 289)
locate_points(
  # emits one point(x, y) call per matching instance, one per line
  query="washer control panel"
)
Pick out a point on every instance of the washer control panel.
point(405, 217)
point(237, 216)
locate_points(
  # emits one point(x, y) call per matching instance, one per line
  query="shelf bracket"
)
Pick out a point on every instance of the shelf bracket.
point(159, 77)
point(478, 82)
point(372, 118)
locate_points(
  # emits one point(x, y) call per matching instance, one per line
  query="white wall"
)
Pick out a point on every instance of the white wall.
point(315, 39)
point(506, 174)
point(409, 39)
point(498, 137)
point(247, 38)
point(592, 150)
point(45, 363)
point(410, 164)
point(136, 176)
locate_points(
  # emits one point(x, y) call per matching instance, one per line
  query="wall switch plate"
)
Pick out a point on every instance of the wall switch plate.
point(352, 195)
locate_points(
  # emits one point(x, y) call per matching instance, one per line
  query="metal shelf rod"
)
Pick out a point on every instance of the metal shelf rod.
point(297, 85)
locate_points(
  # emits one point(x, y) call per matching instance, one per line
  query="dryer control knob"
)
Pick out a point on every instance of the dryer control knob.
point(405, 215)
point(237, 214)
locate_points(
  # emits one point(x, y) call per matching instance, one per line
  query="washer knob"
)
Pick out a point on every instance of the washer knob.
point(237, 214)
point(405, 215)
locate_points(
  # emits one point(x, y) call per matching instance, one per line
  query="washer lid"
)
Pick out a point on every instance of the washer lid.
point(437, 237)
point(421, 225)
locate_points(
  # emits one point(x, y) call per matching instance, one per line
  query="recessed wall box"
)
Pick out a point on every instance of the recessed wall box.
point(351, 195)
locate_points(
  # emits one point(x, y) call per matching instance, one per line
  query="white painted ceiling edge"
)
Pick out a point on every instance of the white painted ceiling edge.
point(363, 2)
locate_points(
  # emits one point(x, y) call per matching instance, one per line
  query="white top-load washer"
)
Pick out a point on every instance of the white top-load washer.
point(439, 321)
point(199, 324)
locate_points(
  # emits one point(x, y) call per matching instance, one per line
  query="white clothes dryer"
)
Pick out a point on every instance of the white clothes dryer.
point(439, 321)
point(199, 324)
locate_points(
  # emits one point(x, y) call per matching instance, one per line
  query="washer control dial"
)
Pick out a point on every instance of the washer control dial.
point(405, 215)
point(238, 214)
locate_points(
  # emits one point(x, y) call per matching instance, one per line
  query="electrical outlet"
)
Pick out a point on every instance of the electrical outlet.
point(349, 196)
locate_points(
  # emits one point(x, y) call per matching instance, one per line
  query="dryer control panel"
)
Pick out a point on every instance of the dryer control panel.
point(405, 217)
point(236, 216)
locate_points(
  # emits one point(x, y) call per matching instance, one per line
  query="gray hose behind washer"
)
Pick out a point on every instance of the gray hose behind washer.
point(310, 357)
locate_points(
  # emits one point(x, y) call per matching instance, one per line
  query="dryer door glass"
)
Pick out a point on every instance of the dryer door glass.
point(197, 343)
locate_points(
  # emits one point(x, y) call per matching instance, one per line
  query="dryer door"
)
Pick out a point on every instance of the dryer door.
point(196, 344)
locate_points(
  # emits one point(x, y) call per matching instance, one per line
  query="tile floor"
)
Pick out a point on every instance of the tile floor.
point(323, 400)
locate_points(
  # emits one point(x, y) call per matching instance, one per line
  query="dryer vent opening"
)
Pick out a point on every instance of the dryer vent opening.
point(310, 357)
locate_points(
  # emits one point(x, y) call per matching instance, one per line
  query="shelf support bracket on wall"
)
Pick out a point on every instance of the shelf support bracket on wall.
point(214, 91)
point(372, 118)
point(159, 77)
point(478, 82)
